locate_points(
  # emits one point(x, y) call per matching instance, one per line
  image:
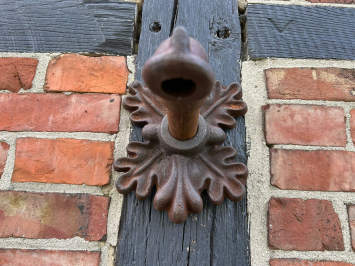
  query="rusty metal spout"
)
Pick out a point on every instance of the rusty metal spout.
point(180, 75)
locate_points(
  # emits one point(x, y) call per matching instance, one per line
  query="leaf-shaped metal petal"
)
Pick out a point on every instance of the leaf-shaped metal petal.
point(141, 169)
point(223, 105)
point(177, 195)
point(144, 106)
point(219, 174)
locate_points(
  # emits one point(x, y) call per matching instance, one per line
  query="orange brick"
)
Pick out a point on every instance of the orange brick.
point(59, 112)
point(310, 225)
point(78, 73)
point(4, 147)
point(65, 161)
point(17, 73)
point(313, 170)
point(305, 125)
point(53, 215)
point(22, 257)
point(298, 262)
point(352, 125)
point(330, 84)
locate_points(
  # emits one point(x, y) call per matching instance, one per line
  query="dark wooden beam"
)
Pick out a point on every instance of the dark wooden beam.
point(300, 32)
point(67, 26)
point(218, 235)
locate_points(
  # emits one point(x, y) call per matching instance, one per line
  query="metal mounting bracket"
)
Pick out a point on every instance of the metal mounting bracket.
point(183, 111)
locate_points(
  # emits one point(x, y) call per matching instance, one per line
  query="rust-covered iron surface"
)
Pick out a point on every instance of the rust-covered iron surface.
point(183, 111)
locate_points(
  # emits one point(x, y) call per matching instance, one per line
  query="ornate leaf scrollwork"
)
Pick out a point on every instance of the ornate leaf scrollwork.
point(180, 178)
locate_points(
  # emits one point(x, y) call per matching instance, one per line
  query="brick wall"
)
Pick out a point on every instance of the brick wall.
point(300, 128)
point(60, 131)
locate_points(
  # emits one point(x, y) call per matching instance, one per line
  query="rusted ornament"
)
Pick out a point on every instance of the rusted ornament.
point(182, 169)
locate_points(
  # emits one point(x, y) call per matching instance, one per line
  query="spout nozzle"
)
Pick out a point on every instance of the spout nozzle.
point(180, 75)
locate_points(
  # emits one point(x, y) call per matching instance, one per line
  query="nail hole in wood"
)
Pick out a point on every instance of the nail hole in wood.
point(223, 33)
point(155, 27)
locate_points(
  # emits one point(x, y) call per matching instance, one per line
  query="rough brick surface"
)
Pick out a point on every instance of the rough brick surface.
point(4, 147)
point(310, 225)
point(53, 215)
point(305, 125)
point(22, 257)
point(59, 112)
point(313, 170)
point(332, 84)
point(351, 212)
point(352, 125)
point(78, 73)
point(298, 262)
point(66, 161)
point(17, 73)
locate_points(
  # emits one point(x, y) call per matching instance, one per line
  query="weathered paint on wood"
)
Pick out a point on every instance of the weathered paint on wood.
point(295, 32)
point(218, 235)
point(67, 26)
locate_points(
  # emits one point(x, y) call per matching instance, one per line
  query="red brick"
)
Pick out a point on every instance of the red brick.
point(22, 257)
point(330, 84)
point(4, 147)
point(298, 262)
point(17, 73)
point(351, 212)
point(352, 125)
point(78, 73)
point(53, 215)
point(313, 170)
point(310, 225)
point(332, 1)
point(305, 125)
point(59, 112)
point(65, 161)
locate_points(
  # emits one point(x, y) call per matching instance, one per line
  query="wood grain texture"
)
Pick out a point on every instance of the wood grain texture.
point(300, 32)
point(218, 235)
point(67, 26)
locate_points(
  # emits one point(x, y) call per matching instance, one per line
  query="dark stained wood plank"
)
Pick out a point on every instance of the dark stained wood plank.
point(215, 24)
point(300, 32)
point(67, 26)
point(218, 235)
point(147, 236)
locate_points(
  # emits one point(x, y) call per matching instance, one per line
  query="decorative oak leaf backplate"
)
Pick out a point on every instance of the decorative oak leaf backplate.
point(180, 178)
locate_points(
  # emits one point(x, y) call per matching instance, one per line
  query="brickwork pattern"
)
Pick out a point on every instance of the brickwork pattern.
point(59, 135)
point(302, 161)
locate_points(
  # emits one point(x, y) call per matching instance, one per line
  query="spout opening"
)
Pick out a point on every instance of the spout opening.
point(180, 88)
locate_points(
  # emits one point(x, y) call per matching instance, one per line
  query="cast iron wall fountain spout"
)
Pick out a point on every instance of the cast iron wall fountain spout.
point(183, 111)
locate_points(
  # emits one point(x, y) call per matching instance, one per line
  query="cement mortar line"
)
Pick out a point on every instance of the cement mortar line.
point(343, 256)
point(345, 105)
point(310, 148)
point(107, 255)
point(259, 189)
point(344, 197)
point(6, 135)
point(115, 209)
point(131, 68)
point(73, 244)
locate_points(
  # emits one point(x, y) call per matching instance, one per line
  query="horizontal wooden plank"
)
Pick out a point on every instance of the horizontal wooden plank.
point(67, 26)
point(300, 32)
